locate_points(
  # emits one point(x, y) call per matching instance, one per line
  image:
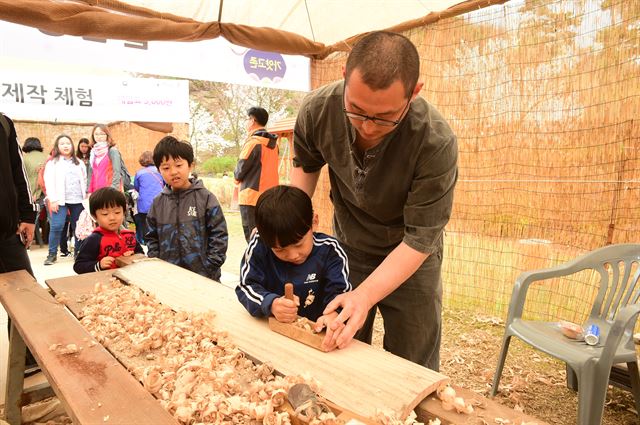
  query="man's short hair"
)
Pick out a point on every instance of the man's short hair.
point(170, 147)
point(32, 144)
point(106, 197)
point(383, 57)
point(259, 114)
point(284, 214)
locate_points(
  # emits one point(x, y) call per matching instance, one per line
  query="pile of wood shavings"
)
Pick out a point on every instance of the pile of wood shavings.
point(195, 371)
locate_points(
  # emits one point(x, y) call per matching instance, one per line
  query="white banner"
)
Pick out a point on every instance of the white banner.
point(211, 60)
point(70, 98)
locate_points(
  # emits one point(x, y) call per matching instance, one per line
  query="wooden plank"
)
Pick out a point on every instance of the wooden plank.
point(92, 385)
point(75, 290)
point(429, 408)
point(303, 336)
point(485, 411)
point(359, 377)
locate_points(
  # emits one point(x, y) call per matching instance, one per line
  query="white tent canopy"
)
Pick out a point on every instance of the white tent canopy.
point(324, 21)
point(313, 28)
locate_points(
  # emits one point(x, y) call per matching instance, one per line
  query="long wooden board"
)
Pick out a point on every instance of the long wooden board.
point(93, 387)
point(359, 377)
point(77, 287)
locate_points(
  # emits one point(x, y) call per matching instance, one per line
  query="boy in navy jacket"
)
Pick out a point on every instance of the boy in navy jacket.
point(286, 249)
point(108, 241)
point(185, 225)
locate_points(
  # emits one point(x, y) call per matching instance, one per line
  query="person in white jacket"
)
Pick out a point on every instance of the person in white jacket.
point(65, 179)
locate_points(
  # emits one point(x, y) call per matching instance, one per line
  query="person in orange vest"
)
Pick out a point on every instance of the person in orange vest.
point(257, 168)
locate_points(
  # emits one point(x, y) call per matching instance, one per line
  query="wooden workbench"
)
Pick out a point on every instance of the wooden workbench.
point(154, 277)
point(345, 375)
point(91, 384)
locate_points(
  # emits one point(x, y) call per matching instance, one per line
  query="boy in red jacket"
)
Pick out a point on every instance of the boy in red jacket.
point(109, 240)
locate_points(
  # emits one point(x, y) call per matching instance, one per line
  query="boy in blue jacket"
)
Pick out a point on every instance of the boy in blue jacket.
point(286, 249)
point(185, 225)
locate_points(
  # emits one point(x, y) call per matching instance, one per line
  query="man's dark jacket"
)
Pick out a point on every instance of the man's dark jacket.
point(15, 194)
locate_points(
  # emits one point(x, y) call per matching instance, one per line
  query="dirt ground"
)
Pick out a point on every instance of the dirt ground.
point(532, 381)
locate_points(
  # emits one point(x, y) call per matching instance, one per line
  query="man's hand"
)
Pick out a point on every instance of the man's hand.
point(106, 262)
point(53, 207)
point(26, 230)
point(325, 321)
point(285, 310)
point(355, 306)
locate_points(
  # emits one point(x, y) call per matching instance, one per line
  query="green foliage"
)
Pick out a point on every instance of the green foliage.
point(219, 164)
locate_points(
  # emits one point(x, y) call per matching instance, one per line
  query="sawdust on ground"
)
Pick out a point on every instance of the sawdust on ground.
point(531, 381)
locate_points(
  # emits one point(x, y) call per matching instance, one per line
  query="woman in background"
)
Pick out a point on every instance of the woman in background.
point(104, 161)
point(34, 159)
point(148, 184)
point(84, 152)
point(66, 181)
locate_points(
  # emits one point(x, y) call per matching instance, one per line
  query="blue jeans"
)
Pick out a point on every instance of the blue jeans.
point(141, 226)
point(57, 225)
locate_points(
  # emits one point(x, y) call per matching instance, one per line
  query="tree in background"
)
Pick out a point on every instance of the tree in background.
point(202, 133)
point(227, 106)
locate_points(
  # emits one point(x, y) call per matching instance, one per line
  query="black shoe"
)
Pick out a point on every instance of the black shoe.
point(50, 260)
point(65, 254)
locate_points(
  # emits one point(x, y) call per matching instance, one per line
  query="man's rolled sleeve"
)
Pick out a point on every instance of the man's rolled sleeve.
point(429, 203)
point(305, 142)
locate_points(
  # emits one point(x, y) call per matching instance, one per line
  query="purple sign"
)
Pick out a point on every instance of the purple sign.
point(260, 65)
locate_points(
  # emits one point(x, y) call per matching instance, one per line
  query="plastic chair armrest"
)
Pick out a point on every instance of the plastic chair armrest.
point(625, 316)
point(525, 279)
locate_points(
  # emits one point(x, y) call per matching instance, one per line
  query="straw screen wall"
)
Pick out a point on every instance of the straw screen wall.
point(545, 100)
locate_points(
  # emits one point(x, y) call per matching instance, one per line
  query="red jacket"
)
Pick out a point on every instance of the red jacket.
point(103, 243)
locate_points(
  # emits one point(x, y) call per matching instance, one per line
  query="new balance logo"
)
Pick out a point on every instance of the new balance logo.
point(311, 278)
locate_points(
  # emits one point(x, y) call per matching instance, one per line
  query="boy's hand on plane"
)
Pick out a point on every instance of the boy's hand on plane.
point(285, 310)
point(127, 253)
point(106, 262)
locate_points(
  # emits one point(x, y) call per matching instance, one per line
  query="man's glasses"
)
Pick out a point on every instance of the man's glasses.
point(378, 121)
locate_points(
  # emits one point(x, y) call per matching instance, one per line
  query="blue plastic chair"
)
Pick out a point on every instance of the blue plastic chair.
point(615, 311)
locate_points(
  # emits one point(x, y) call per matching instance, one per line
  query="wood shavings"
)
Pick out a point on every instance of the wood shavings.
point(62, 298)
point(311, 296)
point(67, 349)
point(198, 375)
point(450, 401)
point(304, 323)
point(195, 371)
point(389, 418)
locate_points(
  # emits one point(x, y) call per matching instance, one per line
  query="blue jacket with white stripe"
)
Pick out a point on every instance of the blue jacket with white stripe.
point(317, 281)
